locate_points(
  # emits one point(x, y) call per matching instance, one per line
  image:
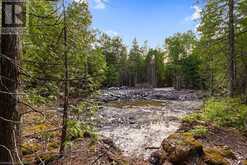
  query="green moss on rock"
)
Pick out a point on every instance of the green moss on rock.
point(214, 157)
point(180, 146)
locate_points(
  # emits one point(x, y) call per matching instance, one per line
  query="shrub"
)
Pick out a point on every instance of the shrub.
point(199, 131)
point(192, 117)
point(227, 112)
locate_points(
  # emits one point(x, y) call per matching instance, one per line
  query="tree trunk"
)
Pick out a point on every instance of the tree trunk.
point(66, 89)
point(9, 116)
point(211, 75)
point(231, 58)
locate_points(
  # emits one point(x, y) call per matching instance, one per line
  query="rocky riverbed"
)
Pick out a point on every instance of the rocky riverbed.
point(139, 119)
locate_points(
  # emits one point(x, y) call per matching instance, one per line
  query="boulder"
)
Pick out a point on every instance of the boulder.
point(157, 158)
point(181, 146)
point(184, 149)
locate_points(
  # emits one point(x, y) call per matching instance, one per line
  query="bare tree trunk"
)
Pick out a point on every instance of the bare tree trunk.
point(211, 75)
point(231, 58)
point(9, 116)
point(66, 89)
point(10, 136)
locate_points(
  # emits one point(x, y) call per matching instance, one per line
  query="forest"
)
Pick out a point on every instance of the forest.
point(73, 94)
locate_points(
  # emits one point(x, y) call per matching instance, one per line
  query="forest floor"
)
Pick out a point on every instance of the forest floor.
point(131, 124)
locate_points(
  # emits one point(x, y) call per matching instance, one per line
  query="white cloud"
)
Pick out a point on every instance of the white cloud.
point(80, 1)
point(100, 4)
point(197, 13)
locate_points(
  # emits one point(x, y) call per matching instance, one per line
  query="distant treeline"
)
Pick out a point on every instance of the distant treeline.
point(175, 65)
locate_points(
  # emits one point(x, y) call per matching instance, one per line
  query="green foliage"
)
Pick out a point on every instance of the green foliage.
point(184, 61)
point(199, 131)
point(81, 121)
point(155, 67)
point(213, 47)
point(112, 76)
point(226, 112)
point(136, 64)
point(77, 129)
point(84, 108)
point(43, 57)
point(190, 69)
point(38, 97)
point(192, 117)
point(115, 53)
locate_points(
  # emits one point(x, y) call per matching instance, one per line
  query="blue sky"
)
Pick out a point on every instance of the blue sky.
point(151, 20)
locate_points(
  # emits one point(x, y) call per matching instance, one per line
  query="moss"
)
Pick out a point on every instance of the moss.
point(30, 148)
point(186, 138)
point(180, 146)
point(214, 157)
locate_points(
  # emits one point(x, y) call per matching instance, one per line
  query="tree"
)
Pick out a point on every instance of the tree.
point(136, 64)
point(155, 68)
point(211, 28)
point(179, 48)
point(242, 51)
point(9, 114)
point(232, 56)
point(115, 53)
point(60, 57)
point(222, 30)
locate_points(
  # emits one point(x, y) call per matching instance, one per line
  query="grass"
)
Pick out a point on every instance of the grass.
point(226, 112)
point(199, 131)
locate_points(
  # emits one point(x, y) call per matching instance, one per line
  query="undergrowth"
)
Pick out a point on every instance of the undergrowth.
point(226, 112)
point(199, 131)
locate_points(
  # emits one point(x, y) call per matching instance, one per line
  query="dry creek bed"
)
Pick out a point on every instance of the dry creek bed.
point(138, 120)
